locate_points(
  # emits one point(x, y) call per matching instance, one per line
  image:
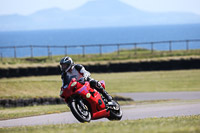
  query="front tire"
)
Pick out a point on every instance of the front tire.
point(115, 113)
point(80, 110)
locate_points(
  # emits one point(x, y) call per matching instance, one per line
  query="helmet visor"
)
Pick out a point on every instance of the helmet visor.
point(64, 67)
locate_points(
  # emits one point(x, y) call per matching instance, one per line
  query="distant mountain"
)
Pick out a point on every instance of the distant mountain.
point(99, 13)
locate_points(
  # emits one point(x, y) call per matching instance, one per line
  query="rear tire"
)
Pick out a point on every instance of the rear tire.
point(81, 112)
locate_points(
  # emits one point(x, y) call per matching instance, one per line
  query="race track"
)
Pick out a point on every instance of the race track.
point(143, 96)
point(129, 113)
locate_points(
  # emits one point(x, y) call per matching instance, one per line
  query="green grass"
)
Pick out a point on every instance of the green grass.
point(156, 81)
point(183, 124)
point(11, 113)
point(122, 55)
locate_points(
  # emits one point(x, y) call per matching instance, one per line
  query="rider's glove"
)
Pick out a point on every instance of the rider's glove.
point(82, 80)
point(61, 92)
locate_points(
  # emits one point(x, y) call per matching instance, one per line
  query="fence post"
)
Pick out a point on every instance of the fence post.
point(48, 48)
point(170, 46)
point(65, 50)
point(118, 49)
point(187, 45)
point(83, 50)
point(100, 50)
point(15, 52)
point(135, 48)
point(152, 47)
point(31, 47)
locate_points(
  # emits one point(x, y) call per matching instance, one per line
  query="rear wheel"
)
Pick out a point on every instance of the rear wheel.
point(115, 112)
point(80, 110)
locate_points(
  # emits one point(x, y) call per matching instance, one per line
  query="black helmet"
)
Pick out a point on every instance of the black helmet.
point(66, 63)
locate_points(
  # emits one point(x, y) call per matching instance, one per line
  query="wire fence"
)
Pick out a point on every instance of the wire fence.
point(34, 50)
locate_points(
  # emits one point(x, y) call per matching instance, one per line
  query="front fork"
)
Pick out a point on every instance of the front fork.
point(83, 106)
point(77, 99)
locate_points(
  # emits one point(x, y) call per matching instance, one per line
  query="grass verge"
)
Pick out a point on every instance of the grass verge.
point(149, 125)
point(18, 112)
point(156, 81)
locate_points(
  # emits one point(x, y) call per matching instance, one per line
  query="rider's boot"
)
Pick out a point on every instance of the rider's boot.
point(103, 92)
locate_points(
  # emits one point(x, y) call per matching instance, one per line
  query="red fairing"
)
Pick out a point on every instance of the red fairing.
point(98, 107)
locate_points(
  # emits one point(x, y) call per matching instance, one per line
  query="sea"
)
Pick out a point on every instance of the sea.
point(23, 40)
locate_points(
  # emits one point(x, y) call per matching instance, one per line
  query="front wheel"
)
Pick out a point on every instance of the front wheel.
point(115, 112)
point(80, 110)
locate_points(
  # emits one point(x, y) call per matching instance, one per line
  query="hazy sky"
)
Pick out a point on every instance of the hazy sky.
point(26, 7)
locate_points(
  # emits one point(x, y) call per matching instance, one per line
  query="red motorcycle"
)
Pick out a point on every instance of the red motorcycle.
point(88, 104)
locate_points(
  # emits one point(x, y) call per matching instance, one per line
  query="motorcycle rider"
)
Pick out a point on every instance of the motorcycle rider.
point(71, 70)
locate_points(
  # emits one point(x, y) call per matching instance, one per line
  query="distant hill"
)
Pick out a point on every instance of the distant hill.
point(99, 13)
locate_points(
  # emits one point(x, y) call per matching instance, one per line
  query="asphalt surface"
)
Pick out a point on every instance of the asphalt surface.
point(143, 96)
point(129, 112)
